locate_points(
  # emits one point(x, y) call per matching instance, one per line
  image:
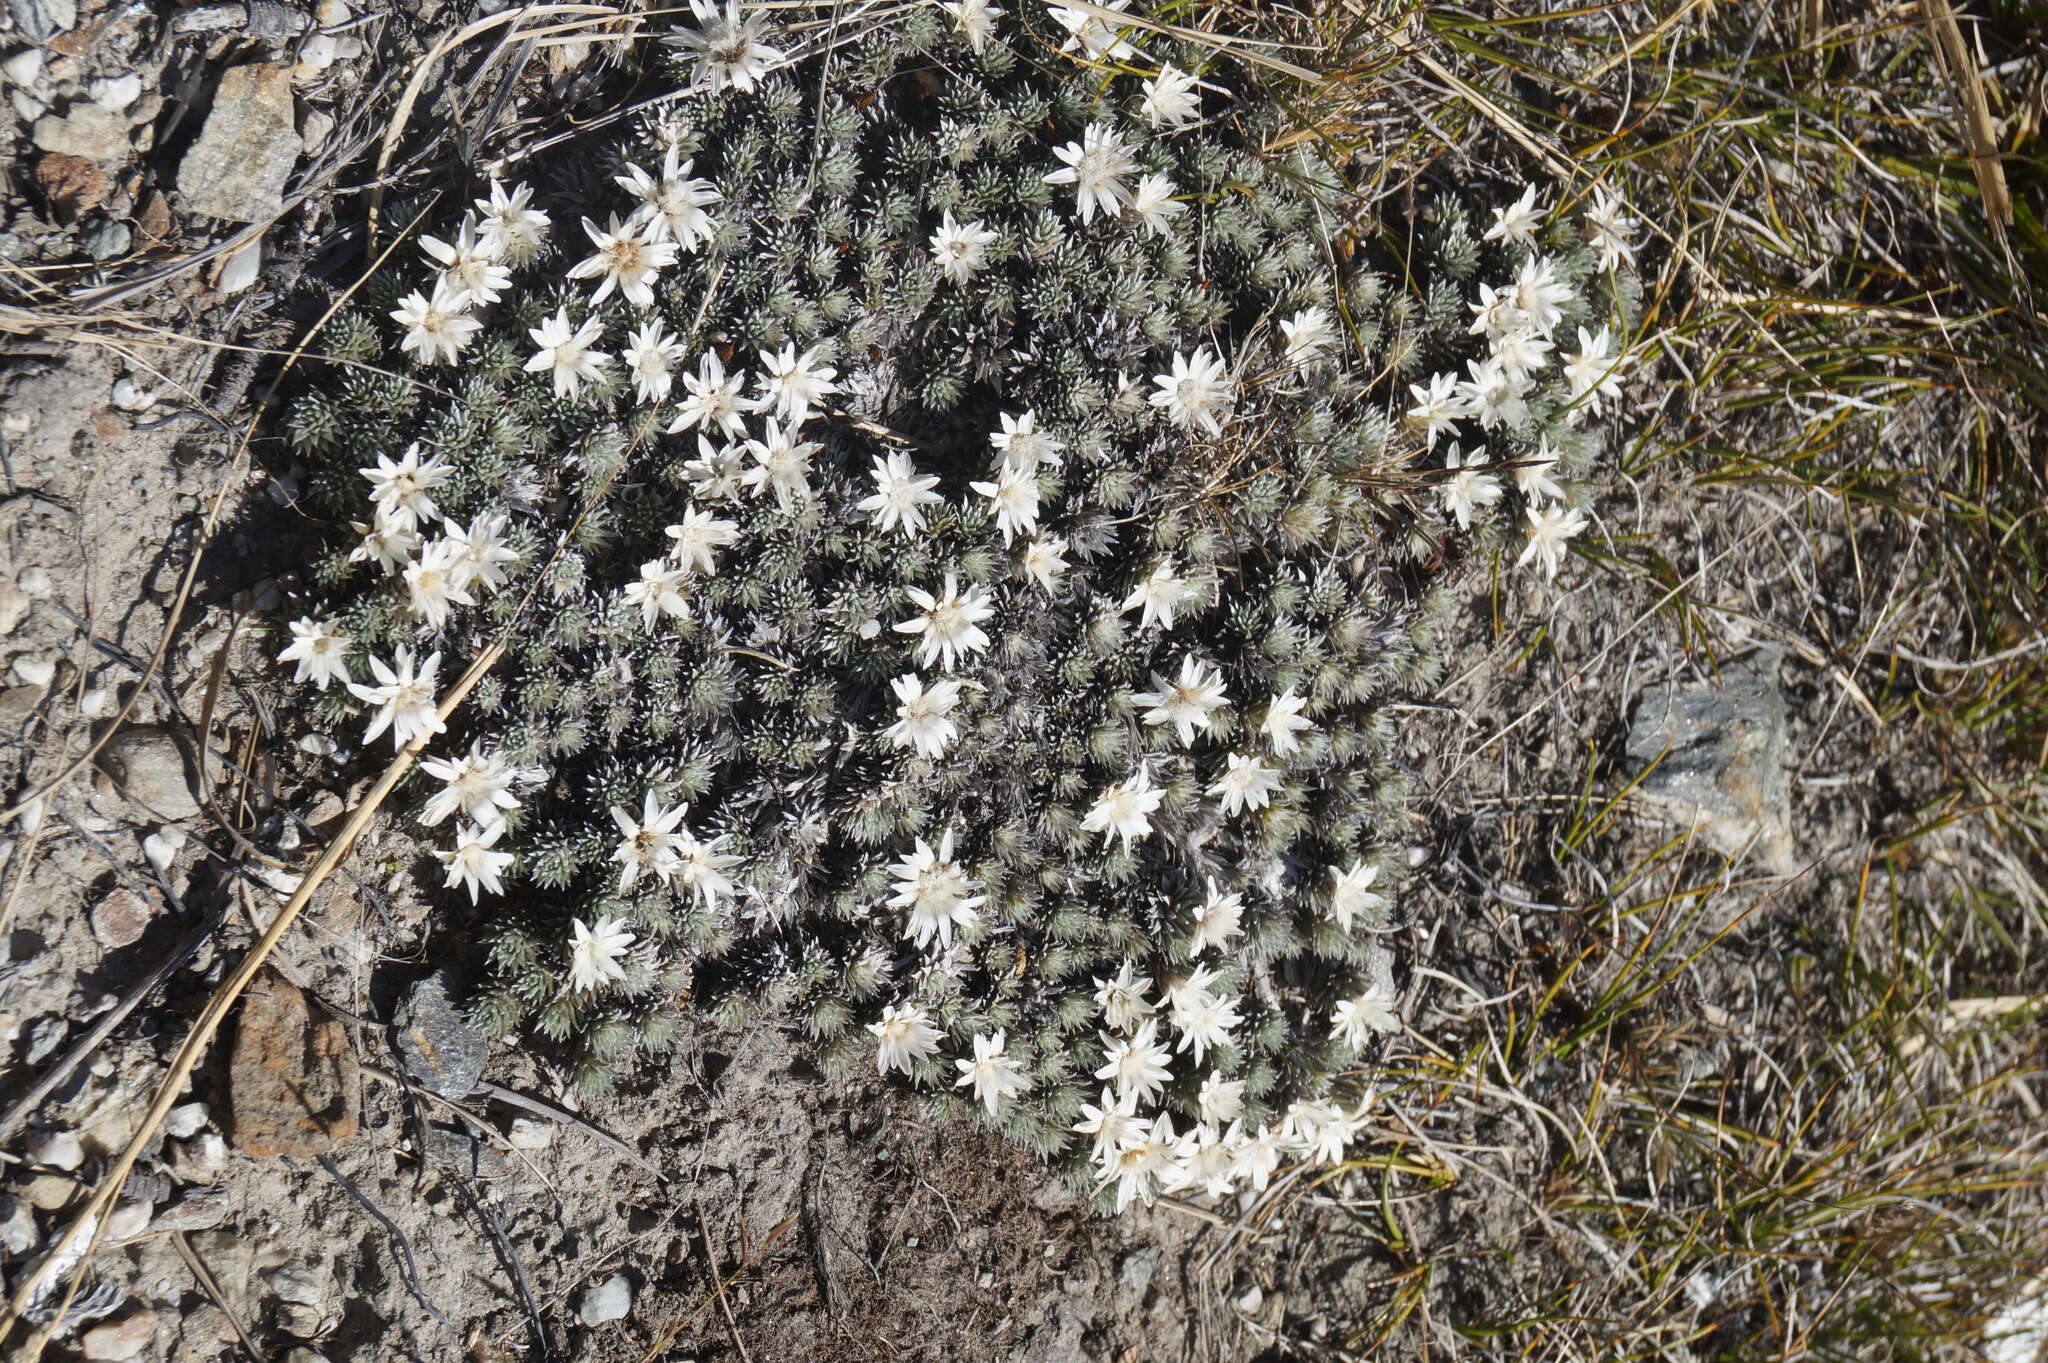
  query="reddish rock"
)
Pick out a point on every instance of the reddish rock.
point(71, 185)
point(121, 918)
point(294, 1087)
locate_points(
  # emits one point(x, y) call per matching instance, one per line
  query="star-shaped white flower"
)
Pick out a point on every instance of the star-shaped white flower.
point(1221, 1100)
point(1437, 409)
point(1255, 1156)
point(726, 50)
point(961, 248)
point(472, 864)
point(437, 327)
point(405, 698)
point(388, 542)
point(1493, 395)
point(671, 207)
point(1608, 229)
point(976, 20)
point(482, 552)
point(1246, 783)
point(1122, 998)
point(1153, 205)
point(1158, 595)
point(1469, 487)
point(1187, 703)
point(1518, 221)
point(649, 845)
point(1307, 335)
point(1550, 531)
point(1096, 167)
point(1096, 38)
point(698, 537)
point(477, 786)
point(434, 583)
point(993, 1074)
point(1013, 496)
point(901, 494)
point(1353, 1021)
point(319, 650)
point(470, 267)
point(714, 399)
point(565, 353)
point(782, 463)
point(1124, 810)
point(403, 491)
point(1195, 391)
point(950, 623)
point(597, 954)
point(1283, 721)
point(934, 888)
point(1216, 920)
point(792, 384)
point(1594, 373)
point(1110, 1123)
point(659, 592)
point(1540, 294)
point(510, 229)
point(904, 1036)
point(1351, 894)
point(650, 355)
point(1045, 562)
point(717, 474)
point(1136, 1065)
point(923, 715)
point(1170, 98)
point(625, 260)
point(1021, 445)
point(1533, 477)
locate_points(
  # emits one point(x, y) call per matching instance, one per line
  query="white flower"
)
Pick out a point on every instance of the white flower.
point(1186, 703)
point(1321, 1130)
point(1139, 1065)
point(1013, 496)
point(1540, 294)
point(565, 353)
point(702, 868)
point(1468, 487)
point(1195, 392)
point(650, 354)
point(472, 864)
point(1203, 1162)
point(961, 249)
point(403, 492)
point(1351, 894)
point(1495, 314)
point(1247, 783)
point(1204, 1021)
point(903, 1037)
point(511, 231)
point(405, 699)
point(433, 583)
point(950, 623)
point(595, 953)
point(672, 207)
point(1170, 98)
point(388, 542)
point(714, 399)
point(1221, 1100)
point(994, 1075)
point(659, 592)
point(716, 475)
point(436, 328)
point(1608, 228)
point(922, 718)
point(1216, 920)
point(1110, 1124)
point(1159, 593)
point(469, 267)
point(481, 552)
point(1145, 1155)
point(791, 384)
point(1520, 352)
point(976, 18)
point(1256, 1156)
point(1153, 205)
point(1533, 475)
point(935, 890)
point(1550, 530)
point(1096, 38)
point(1283, 721)
point(477, 786)
point(697, 536)
point(900, 496)
point(1122, 999)
point(1045, 562)
point(1493, 395)
point(1124, 810)
point(1353, 1021)
point(319, 649)
point(1095, 167)
point(1594, 373)
point(1517, 223)
point(627, 261)
point(1022, 446)
point(649, 845)
point(1437, 408)
point(727, 49)
point(781, 462)
point(1308, 334)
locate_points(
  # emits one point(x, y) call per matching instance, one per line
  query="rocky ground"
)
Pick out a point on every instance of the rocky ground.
point(356, 1175)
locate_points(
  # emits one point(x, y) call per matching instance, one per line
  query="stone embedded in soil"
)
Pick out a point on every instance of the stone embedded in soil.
point(121, 918)
point(119, 1339)
point(148, 765)
point(87, 131)
point(609, 1300)
point(530, 1133)
point(237, 168)
point(294, 1087)
point(42, 20)
point(57, 1150)
point(71, 185)
point(299, 1285)
point(14, 604)
point(18, 1233)
point(185, 1121)
point(465, 1154)
point(438, 1048)
point(1720, 747)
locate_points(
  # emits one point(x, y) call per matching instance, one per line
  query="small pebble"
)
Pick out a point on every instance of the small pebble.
point(609, 1300)
point(35, 582)
point(131, 396)
point(161, 847)
point(35, 671)
point(241, 268)
point(107, 240)
point(298, 1284)
point(529, 1134)
point(116, 93)
point(96, 703)
point(56, 1150)
point(185, 1121)
point(25, 68)
point(302, 1321)
point(18, 1233)
point(128, 1220)
point(118, 1340)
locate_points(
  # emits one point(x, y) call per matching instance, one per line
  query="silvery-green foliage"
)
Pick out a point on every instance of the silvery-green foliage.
point(1296, 531)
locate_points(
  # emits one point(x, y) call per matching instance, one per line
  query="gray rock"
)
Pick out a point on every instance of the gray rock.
point(120, 1339)
point(86, 131)
point(148, 765)
point(1720, 749)
point(436, 1045)
point(107, 240)
point(128, 1220)
point(44, 1037)
point(530, 1133)
point(18, 1234)
point(298, 1284)
point(43, 20)
point(301, 1321)
point(185, 1121)
point(56, 1150)
point(200, 1209)
point(1134, 1271)
point(14, 604)
point(237, 168)
point(302, 1354)
point(609, 1300)
point(465, 1154)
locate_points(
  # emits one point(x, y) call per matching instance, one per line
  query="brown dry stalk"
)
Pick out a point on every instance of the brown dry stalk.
point(1979, 133)
point(210, 1019)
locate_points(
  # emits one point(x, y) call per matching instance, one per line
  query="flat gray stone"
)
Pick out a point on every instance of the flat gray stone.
point(43, 20)
point(237, 168)
point(1720, 747)
point(86, 131)
point(438, 1048)
point(609, 1300)
point(148, 764)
